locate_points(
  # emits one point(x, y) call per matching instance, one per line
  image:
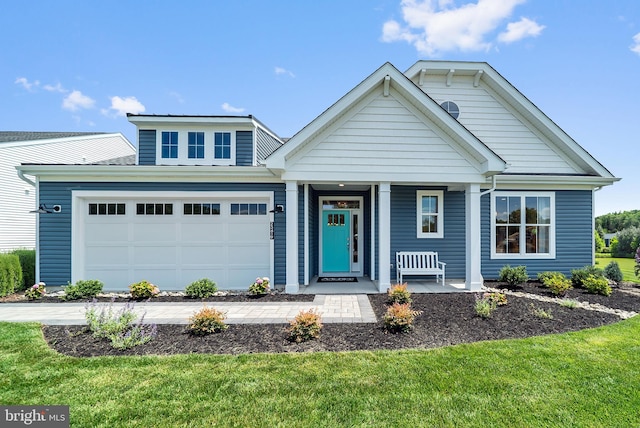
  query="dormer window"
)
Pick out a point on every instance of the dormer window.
point(196, 145)
point(169, 145)
point(222, 145)
point(451, 108)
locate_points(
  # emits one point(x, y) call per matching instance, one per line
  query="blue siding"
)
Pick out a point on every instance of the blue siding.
point(451, 249)
point(55, 229)
point(244, 148)
point(574, 237)
point(146, 147)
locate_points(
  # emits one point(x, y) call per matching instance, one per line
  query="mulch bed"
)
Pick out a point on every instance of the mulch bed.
point(446, 319)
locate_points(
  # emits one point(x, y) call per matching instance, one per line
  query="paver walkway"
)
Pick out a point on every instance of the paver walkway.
point(343, 308)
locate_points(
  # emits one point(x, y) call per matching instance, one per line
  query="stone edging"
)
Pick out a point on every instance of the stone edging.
point(584, 305)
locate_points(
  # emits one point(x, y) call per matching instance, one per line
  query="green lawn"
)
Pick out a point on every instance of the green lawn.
point(589, 378)
point(627, 266)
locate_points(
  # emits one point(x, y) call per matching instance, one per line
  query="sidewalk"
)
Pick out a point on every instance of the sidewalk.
point(342, 308)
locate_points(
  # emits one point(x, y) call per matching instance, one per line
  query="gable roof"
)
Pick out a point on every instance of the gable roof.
point(391, 79)
point(484, 74)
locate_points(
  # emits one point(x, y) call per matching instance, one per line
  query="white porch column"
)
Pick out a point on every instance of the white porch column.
point(384, 237)
point(473, 278)
point(292, 285)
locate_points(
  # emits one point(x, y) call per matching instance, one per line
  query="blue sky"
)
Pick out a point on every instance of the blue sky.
point(79, 65)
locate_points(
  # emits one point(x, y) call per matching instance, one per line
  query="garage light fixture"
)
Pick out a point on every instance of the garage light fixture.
point(42, 209)
point(277, 209)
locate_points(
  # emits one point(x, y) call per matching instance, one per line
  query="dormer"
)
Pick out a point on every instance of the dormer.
point(203, 140)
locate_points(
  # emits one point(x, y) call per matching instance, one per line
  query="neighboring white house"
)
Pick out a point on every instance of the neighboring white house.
point(18, 197)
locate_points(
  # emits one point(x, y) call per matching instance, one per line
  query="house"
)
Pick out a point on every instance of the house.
point(18, 197)
point(447, 157)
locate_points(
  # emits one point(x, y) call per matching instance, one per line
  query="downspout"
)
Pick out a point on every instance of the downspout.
point(493, 186)
point(25, 179)
point(593, 224)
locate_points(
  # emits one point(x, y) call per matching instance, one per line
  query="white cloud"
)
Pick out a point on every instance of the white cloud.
point(231, 109)
point(77, 100)
point(283, 71)
point(636, 44)
point(57, 88)
point(122, 106)
point(433, 27)
point(519, 30)
point(26, 84)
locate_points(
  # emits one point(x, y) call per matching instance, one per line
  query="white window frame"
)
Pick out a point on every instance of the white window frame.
point(552, 226)
point(440, 214)
point(223, 161)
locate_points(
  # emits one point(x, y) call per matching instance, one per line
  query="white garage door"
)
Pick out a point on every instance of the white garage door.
point(172, 242)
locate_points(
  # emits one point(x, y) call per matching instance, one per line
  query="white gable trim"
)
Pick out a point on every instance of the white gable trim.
point(474, 148)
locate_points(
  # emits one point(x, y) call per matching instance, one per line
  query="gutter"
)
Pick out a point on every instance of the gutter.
point(493, 186)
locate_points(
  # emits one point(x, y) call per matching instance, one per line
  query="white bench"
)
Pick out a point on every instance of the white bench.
point(418, 263)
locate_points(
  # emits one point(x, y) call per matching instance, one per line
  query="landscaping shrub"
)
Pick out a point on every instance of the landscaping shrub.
point(260, 286)
point(398, 293)
point(557, 283)
point(499, 299)
point(484, 307)
point(547, 274)
point(206, 321)
point(399, 317)
point(10, 274)
point(143, 290)
point(36, 291)
point(118, 326)
point(597, 285)
point(578, 276)
point(541, 313)
point(28, 265)
point(201, 289)
point(83, 289)
point(513, 275)
point(305, 326)
point(613, 272)
point(569, 303)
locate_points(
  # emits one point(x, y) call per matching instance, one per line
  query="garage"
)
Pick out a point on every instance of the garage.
point(173, 240)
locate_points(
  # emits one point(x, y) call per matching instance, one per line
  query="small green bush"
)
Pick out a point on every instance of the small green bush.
point(10, 274)
point(541, 313)
point(557, 283)
point(513, 275)
point(569, 303)
point(579, 275)
point(83, 289)
point(547, 274)
point(399, 317)
point(398, 293)
point(613, 272)
point(499, 299)
point(206, 321)
point(484, 307)
point(201, 289)
point(119, 326)
point(28, 264)
point(305, 326)
point(143, 290)
point(597, 285)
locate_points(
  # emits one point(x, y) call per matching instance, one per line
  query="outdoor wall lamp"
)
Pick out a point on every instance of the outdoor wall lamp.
point(278, 209)
point(42, 209)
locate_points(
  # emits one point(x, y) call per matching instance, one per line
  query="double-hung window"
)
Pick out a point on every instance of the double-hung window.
point(523, 225)
point(430, 213)
point(222, 145)
point(195, 145)
point(169, 145)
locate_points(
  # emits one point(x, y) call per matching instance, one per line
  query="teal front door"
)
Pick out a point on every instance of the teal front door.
point(336, 231)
